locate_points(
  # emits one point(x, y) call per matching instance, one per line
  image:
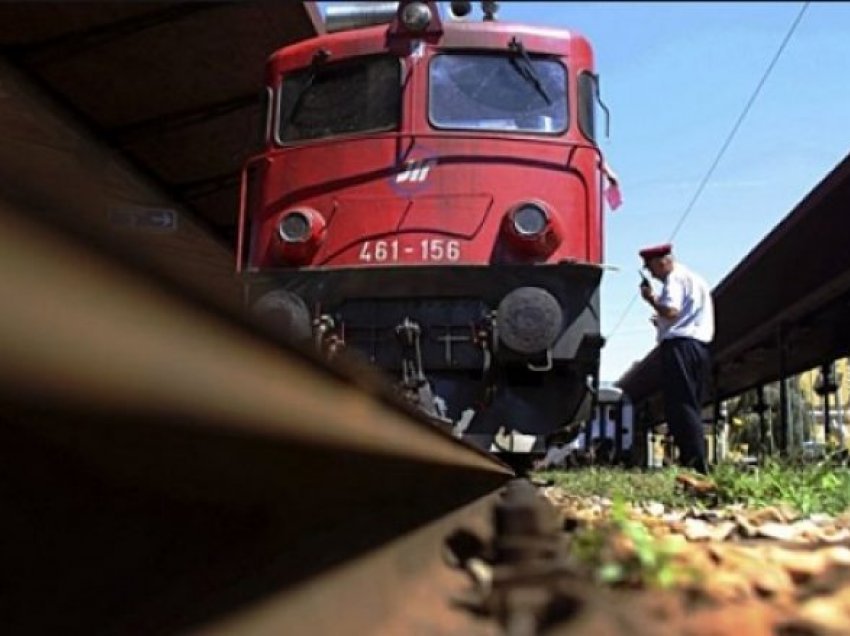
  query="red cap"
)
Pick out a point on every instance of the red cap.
point(657, 251)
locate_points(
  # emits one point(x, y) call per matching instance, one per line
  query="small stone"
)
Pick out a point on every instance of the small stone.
point(713, 515)
point(821, 519)
point(673, 516)
point(699, 530)
point(745, 528)
point(772, 581)
point(654, 508)
point(801, 565)
point(834, 535)
point(766, 515)
point(829, 615)
point(837, 555)
point(725, 586)
point(778, 531)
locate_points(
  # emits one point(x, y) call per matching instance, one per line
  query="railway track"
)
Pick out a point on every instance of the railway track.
point(168, 468)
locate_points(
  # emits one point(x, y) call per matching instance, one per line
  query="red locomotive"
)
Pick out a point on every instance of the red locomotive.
point(429, 195)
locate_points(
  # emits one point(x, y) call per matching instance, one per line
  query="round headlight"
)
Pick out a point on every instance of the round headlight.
point(530, 220)
point(416, 16)
point(294, 227)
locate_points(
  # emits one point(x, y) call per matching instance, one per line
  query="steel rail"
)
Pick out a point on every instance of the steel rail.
point(76, 328)
point(406, 587)
point(166, 467)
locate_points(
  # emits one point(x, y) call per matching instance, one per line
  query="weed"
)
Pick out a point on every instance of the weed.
point(806, 487)
point(630, 485)
point(624, 551)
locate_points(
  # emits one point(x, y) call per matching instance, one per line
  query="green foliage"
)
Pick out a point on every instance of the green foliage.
point(630, 485)
point(623, 551)
point(807, 487)
point(619, 550)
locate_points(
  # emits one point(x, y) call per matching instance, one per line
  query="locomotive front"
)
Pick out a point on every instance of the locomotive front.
point(430, 196)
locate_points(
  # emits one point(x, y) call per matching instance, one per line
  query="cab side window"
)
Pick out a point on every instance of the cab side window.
point(586, 113)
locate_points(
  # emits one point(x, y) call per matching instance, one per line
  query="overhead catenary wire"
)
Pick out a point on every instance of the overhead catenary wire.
point(728, 141)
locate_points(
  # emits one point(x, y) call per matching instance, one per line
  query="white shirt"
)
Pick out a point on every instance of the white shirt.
point(688, 293)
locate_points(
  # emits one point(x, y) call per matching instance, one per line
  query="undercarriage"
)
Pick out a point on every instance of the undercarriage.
point(494, 354)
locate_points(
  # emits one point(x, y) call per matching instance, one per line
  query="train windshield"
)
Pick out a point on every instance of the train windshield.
point(507, 92)
point(359, 95)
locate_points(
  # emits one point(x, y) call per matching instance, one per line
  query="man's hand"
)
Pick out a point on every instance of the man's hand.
point(668, 313)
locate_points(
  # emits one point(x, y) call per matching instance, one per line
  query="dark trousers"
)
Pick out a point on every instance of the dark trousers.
point(686, 369)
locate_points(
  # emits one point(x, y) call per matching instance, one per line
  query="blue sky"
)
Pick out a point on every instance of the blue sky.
point(676, 77)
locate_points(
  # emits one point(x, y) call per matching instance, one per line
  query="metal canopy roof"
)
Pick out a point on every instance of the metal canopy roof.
point(176, 86)
point(793, 288)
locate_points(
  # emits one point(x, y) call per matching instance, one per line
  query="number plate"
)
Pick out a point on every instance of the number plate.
point(421, 250)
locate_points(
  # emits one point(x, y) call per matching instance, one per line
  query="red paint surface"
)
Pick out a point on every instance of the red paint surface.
point(465, 181)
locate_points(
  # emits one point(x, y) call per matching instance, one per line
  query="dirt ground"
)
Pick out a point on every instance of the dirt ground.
point(721, 571)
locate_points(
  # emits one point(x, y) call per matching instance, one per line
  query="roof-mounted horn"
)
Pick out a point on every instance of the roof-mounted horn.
point(416, 18)
point(460, 9)
point(489, 9)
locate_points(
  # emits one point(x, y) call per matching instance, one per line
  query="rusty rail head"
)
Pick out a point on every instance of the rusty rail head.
point(78, 329)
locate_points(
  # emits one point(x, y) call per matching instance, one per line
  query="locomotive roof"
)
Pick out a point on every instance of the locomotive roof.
point(472, 35)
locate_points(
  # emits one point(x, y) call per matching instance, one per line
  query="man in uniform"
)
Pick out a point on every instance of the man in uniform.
point(684, 320)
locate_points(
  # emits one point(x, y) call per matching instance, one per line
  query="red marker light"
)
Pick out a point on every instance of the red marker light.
point(300, 232)
point(530, 228)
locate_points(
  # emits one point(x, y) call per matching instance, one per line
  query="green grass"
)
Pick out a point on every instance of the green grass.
point(651, 561)
point(633, 486)
point(807, 487)
point(648, 561)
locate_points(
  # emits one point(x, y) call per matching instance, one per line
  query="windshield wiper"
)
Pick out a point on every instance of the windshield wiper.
point(299, 96)
point(527, 70)
point(319, 58)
